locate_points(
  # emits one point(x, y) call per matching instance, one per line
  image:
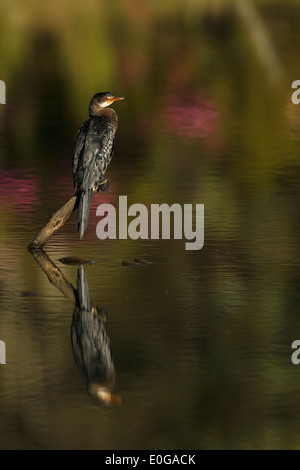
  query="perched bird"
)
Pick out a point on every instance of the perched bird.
point(93, 152)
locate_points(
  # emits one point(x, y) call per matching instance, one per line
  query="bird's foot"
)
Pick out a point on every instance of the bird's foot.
point(102, 312)
point(104, 186)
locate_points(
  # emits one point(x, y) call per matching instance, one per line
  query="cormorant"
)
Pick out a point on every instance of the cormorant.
point(93, 152)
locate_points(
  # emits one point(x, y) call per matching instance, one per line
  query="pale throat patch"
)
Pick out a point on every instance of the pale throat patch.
point(106, 103)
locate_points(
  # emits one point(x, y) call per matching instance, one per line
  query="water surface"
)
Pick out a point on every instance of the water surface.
point(200, 340)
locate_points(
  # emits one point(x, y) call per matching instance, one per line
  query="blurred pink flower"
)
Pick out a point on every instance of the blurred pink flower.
point(193, 117)
point(18, 191)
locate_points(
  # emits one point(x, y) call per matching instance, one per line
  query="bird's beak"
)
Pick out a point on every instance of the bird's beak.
point(117, 98)
point(108, 398)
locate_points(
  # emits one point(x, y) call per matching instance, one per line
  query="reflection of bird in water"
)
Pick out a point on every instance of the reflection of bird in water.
point(91, 345)
point(93, 152)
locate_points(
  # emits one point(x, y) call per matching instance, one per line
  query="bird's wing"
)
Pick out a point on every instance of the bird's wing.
point(98, 151)
point(78, 169)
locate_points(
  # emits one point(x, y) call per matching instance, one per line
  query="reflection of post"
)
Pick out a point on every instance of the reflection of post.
point(54, 274)
point(2, 352)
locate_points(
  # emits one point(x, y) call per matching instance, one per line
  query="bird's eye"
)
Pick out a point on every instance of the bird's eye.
point(106, 98)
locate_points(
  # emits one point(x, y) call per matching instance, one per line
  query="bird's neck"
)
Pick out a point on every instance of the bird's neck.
point(105, 112)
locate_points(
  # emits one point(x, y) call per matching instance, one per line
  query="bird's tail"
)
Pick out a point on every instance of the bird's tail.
point(85, 199)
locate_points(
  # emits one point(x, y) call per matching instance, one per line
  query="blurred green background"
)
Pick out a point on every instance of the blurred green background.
point(201, 340)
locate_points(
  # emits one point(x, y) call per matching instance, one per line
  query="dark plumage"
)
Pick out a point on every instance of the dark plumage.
point(93, 152)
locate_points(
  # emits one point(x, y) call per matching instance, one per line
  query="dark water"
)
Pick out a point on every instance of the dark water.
point(200, 340)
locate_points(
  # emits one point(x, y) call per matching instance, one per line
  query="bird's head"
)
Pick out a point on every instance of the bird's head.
point(101, 100)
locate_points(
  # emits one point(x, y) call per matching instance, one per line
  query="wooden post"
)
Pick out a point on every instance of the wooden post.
point(53, 224)
point(56, 221)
